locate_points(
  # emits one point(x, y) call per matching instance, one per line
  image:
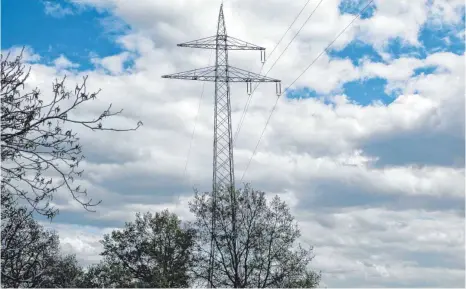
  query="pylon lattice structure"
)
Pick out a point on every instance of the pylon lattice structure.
point(222, 74)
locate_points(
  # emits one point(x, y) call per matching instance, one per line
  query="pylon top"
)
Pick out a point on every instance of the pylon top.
point(230, 43)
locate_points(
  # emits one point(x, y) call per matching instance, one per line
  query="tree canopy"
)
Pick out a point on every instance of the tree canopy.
point(256, 243)
point(153, 251)
point(30, 255)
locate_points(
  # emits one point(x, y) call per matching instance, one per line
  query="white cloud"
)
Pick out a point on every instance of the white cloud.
point(367, 246)
point(28, 54)
point(84, 241)
point(372, 223)
point(114, 64)
point(63, 63)
point(56, 10)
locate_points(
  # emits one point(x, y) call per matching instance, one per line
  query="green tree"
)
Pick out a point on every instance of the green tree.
point(30, 255)
point(65, 273)
point(153, 251)
point(255, 244)
point(105, 275)
point(40, 151)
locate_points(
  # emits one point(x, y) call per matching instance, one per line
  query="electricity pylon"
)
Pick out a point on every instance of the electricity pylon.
point(222, 74)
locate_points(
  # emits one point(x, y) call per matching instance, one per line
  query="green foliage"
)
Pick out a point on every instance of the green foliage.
point(256, 246)
point(104, 275)
point(152, 251)
point(30, 255)
point(66, 272)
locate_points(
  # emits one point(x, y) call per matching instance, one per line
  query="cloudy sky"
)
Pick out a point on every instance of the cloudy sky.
point(367, 146)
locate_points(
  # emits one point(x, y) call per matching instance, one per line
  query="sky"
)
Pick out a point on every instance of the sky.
point(367, 146)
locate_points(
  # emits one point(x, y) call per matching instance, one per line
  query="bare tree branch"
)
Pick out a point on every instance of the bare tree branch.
point(266, 254)
point(40, 153)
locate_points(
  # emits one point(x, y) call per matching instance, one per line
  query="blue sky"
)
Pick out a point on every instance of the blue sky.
point(365, 179)
point(87, 32)
point(432, 39)
point(79, 35)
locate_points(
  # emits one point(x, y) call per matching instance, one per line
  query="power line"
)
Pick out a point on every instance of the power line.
point(289, 27)
point(246, 107)
point(192, 137)
point(318, 56)
point(195, 121)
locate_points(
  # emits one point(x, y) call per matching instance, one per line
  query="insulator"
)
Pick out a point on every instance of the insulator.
point(278, 88)
point(263, 56)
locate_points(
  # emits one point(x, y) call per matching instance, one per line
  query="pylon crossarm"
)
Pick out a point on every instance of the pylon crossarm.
point(234, 75)
point(232, 43)
point(248, 76)
point(206, 43)
point(201, 74)
point(237, 44)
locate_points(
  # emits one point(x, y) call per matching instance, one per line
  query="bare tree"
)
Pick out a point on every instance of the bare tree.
point(40, 151)
point(30, 255)
point(259, 250)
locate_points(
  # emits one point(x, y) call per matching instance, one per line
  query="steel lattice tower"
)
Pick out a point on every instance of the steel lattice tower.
point(222, 74)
